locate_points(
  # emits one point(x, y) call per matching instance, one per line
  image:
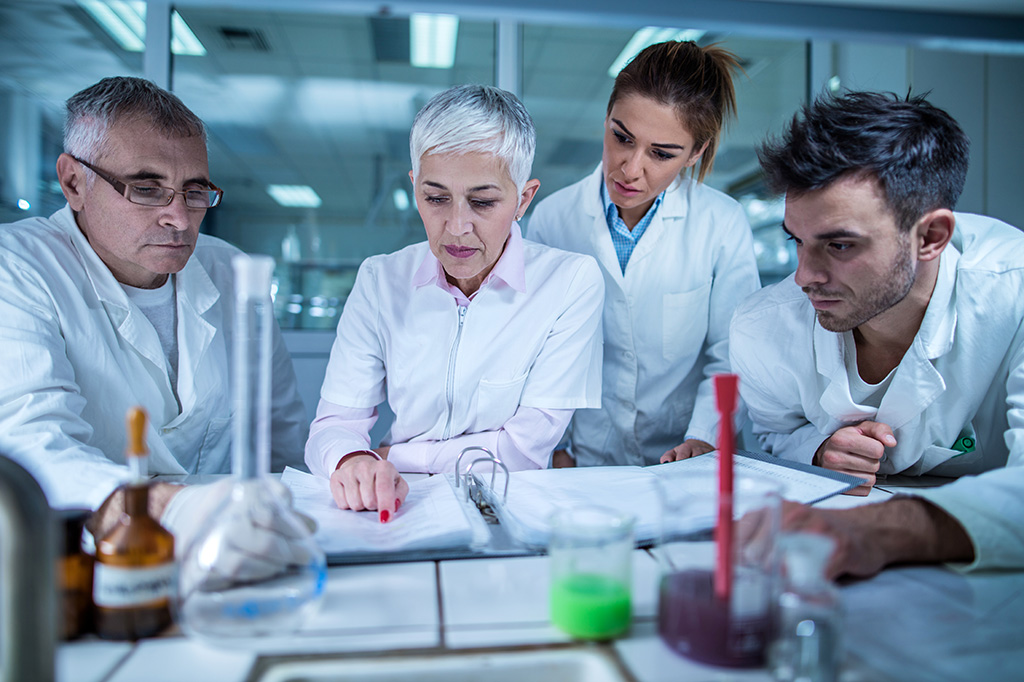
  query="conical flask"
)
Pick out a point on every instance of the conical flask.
point(256, 569)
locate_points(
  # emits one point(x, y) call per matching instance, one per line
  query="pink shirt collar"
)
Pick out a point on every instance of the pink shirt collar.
point(510, 268)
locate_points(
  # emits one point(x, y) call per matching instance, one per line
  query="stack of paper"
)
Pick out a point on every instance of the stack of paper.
point(432, 517)
point(533, 496)
point(435, 517)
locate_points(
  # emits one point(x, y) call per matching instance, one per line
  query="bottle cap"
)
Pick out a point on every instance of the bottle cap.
point(136, 422)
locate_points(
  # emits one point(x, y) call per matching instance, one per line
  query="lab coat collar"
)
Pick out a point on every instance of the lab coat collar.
point(510, 268)
point(193, 278)
point(107, 288)
point(916, 383)
point(600, 238)
point(674, 206)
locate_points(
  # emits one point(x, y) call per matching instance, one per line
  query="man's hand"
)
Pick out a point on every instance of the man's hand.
point(856, 450)
point(247, 530)
point(561, 459)
point(873, 536)
point(106, 517)
point(687, 449)
point(363, 482)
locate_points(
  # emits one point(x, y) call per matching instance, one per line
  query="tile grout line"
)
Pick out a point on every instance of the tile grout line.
point(440, 606)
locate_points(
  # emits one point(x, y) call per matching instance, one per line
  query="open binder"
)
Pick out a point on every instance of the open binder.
point(441, 517)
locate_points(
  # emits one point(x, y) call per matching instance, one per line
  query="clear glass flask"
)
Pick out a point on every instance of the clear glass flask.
point(808, 645)
point(256, 570)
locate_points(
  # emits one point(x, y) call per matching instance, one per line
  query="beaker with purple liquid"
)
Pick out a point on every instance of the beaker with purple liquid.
point(692, 620)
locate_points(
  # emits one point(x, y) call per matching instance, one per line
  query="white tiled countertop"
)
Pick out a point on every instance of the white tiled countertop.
point(913, 623)
point(919, 623)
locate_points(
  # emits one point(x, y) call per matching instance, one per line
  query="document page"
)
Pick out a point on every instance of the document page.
point(430, 518)
point(534, 495)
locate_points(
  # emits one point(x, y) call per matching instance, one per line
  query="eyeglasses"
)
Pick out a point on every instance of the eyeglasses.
point(154, 195)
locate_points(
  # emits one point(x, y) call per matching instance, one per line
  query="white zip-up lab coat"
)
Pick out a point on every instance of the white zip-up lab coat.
point(76, 354)
point(666, 321)
point(962, 376)
point(450, 370)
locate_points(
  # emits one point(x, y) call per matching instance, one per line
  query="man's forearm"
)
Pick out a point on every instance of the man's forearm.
point(914, 530)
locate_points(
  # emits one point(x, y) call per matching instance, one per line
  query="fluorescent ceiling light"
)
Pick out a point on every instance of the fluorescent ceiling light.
point(432, 40)
point(401, 199)
point(995, 47)
point(649, 35)
point(122, 20)
point(294, 195)
point(183, 40)
point(125, 22)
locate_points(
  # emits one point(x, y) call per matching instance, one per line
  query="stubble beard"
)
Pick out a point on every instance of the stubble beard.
point(892, 290)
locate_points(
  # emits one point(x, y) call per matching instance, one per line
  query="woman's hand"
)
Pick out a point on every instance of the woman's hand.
point(363, 482)
point(686, 450)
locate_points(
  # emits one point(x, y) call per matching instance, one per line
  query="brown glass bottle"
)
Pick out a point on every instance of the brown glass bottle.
point(134, 572)
point(74, 576)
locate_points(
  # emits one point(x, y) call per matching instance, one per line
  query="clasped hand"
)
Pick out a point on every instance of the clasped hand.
point(856, 450)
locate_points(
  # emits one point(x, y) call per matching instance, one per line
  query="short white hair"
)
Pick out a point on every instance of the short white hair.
point(476, 118)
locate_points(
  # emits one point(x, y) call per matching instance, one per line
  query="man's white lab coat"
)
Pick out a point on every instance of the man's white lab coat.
point(962, 376)
point(76, 354)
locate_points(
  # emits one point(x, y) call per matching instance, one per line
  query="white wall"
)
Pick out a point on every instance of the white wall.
point(983, 93)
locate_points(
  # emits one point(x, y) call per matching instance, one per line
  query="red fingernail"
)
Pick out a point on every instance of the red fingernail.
point(398, 505)
point(384, 515)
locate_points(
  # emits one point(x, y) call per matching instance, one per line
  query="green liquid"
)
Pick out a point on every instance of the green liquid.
point(590, 606)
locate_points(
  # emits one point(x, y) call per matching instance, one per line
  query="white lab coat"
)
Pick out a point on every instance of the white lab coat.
point(76, 354)
point(963, 375)
point(666, 321)
point(449, 370)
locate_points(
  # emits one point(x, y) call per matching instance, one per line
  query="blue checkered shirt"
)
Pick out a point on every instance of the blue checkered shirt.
point(623, 239)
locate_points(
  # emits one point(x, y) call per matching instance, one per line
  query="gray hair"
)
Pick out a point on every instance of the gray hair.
point(476, 118)
point(93, 111)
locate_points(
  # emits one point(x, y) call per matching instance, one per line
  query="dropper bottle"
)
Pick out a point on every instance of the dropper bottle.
point(134, 571)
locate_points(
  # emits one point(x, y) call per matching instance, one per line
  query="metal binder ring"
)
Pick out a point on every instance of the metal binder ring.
point(495, 463)
point(458, 462)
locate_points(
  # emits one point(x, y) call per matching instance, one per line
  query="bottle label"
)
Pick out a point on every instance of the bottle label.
point(121, 586)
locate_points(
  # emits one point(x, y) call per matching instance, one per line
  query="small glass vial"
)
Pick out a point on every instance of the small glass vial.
point(134, 572)
point(808, 645)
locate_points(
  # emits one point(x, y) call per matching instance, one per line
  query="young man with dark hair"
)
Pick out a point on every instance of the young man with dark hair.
point(897, 347)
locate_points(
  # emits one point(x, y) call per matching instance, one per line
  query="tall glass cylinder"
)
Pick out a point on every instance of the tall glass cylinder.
point(256, 570)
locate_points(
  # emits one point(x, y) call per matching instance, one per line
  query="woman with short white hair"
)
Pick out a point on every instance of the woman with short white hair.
point(475, 337)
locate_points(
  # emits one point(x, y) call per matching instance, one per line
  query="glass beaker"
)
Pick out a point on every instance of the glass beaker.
point(256, 570)
point(692, 619)
point(808, 642)
point(591, 551)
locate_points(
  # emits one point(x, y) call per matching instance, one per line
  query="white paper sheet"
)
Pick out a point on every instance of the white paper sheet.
point(534, 495)
point(430, 518)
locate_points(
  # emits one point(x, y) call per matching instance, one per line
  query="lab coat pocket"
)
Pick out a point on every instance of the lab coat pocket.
point(497, 401)
point(940, 461)
point(215, 452)
point(684, 323)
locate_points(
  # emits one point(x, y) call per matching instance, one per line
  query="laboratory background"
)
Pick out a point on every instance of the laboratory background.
point(309, 104)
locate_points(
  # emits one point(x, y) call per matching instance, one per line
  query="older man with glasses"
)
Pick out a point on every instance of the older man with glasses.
point(117, 300)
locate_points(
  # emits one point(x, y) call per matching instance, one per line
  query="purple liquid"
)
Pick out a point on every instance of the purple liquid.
point(698, 625)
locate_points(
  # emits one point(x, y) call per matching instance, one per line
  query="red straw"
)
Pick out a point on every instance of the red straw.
point(726, 386)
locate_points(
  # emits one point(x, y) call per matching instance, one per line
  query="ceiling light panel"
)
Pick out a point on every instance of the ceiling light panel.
point(294, 196)
point(432, 39)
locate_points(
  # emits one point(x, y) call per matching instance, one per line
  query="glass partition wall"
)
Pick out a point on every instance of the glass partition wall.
point(309, 111)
